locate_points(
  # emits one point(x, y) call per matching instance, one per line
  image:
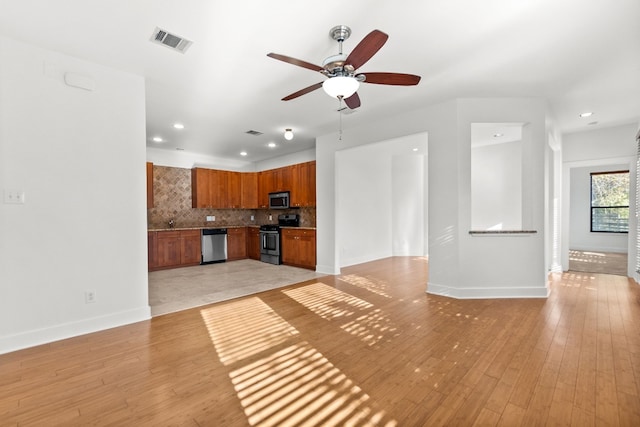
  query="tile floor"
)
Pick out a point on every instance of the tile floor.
point(181, 288)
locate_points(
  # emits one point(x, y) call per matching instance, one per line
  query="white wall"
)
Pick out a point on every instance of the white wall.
point(409, 213)
point(580, 235)
point(459, 265)
point(380, 200)
point(188, 160)
point(600, 148)
point(79, 157)
point(496, 186)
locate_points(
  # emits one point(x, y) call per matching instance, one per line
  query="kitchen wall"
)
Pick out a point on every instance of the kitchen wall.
point(172, 200)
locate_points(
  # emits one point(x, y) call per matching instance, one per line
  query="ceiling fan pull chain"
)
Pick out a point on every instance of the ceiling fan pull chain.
point(340, 114)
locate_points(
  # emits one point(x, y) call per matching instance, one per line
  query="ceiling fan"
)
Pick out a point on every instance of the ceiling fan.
point(343, 80)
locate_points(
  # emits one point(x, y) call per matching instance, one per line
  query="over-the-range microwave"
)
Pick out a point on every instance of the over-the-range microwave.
point(279, 200)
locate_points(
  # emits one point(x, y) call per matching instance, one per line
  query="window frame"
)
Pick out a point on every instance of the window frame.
point(592, 208)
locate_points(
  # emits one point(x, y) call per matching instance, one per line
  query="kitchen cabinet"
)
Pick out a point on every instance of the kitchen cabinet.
point(200, 197)
point(236, 243)
point(273, 181)
point(215, 189)
point(218, 189)
point(303, 184)
point(282, 179)
point(299, 247)
point(149, 185)
point(233, 191)
point(174, 248)
point(253, 243)
point(190, 249)
point(152, 249)
point(249, 190)
point(266, 185)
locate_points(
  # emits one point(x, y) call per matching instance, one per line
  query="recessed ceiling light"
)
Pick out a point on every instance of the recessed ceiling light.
point(498, 135)
point(178, 125)
point(587, 114)
point(415, 149)
point(243, 153)
point(271, 145)
point(157, 139)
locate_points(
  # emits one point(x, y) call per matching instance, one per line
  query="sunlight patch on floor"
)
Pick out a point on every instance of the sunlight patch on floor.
point(243, 328)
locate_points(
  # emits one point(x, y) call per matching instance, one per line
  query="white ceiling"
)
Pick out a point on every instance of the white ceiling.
point(580, 55)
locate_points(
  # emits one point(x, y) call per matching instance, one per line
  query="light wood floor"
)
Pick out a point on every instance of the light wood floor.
point(369, 347)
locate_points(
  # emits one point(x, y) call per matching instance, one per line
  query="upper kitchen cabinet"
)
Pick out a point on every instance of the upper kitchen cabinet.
point(214, 189)
point(303, 184)
point(234, 190)
point(273, 181)
point(249, 190)
point(266, 185)
point(200, 197)
point(149, 185)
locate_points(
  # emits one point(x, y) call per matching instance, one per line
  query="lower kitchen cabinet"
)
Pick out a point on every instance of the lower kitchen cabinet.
point(253, 243)
point(299, 247)
point(174, 248)
point(236, 243)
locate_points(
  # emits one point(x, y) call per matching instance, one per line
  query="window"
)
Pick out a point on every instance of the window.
point(610, 202)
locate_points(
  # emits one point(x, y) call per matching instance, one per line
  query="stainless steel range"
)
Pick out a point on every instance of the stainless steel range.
point(270, 238)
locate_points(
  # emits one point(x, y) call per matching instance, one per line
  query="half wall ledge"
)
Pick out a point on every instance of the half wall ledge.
point(502, 232)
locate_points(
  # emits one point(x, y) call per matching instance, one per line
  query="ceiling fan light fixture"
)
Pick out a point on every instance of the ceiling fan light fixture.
point(340, 86)
point(288, 134)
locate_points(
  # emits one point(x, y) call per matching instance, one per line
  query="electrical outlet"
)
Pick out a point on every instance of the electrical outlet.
point(253, 218)
point(89, 297)
point(211, 218)
point(270, 217)
point(14, 197)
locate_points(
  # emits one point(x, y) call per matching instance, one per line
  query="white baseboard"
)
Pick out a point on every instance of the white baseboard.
point(488, 293)
point(67, 330)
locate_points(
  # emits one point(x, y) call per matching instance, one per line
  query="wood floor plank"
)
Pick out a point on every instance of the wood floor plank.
point(369, 344)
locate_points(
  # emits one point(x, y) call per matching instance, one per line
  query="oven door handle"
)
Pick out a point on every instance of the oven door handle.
point(264, 241)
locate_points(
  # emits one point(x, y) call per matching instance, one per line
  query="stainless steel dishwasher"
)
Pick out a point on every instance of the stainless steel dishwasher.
point(214, 245)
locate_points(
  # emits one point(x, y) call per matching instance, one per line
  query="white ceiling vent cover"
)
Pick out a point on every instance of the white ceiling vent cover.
point(169, 40)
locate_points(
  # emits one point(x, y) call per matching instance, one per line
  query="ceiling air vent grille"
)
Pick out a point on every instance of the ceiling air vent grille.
point(171, 41)
point(253, 132)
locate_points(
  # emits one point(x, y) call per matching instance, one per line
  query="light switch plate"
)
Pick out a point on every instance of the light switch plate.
point(15, 197)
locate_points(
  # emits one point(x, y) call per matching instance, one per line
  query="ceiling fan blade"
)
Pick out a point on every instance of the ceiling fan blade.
point(295, 61)
point(353, 101)
point(366, 48)
point(302, 91)
point(397, 79)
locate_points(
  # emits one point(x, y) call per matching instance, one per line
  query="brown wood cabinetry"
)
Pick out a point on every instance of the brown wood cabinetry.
point(233, 191)
point(249, 190)
point(175, 248)
point(200, 188)
point(299, 247)
point(218, 189)
point(149, 185)
point(253, 243)
point(303, 185)
point(236, 243)
point(190, 247)
point(152, 249)
point(266, 185)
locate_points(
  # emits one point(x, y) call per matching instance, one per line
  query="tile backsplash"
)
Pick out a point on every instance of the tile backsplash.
point(172, 200)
